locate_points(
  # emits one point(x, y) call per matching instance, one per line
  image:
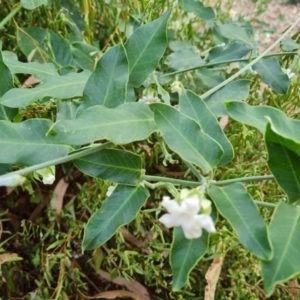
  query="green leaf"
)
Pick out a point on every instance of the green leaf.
point(60, 48)
point(38, 70)
point(204, 12)
point(107, 84)
point(121, 125)
point(130, 95)
point(7, 113)
point(30, 40)
point(4, 168)
point(284, 234)
point(209, 78)
point(184, 59)
point(119, 209)
point(226, 53)
point(176, 45)
point(282, 141)
point(6, 83)
point(193, 106)
point(185, 137)
point(42, 44)
point(234, 32)
point(236, 205)
point(184, 256)
point(118, 166)
point(236, 90)
point(84, 55)
point(63, 87)
point(271, 74)
point(32, 4)
point(255, 115)
point(67, 110)
point(145, 47)
point(289, 45)
point(284, 160)
point(26, 143)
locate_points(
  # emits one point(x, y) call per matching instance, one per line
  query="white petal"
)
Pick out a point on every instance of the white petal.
point(190, 206)
point(169, 221)
point(206, 222)
point(172, 206)
point(191, 229)
point(49, 179)
point(110, 190)
point(166, 198)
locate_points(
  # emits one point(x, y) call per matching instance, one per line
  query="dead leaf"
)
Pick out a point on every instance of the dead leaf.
point(133, 286)
point(294, 288)
point(133, 240)
point(223, 122)
point(14, 220)
point(7, 257)
point(57, 199)
point(212, 276)
point(38, 209)
point(30, 81)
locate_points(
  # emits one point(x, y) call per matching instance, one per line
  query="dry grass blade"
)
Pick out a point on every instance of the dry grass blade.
point(7, 257)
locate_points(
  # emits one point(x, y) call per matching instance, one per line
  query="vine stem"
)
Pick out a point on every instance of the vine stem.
point(58, 161)
point(195, 172)
point(254, 61)
point(171, 180)
point(265, 204)
point(10, 15)
point(196, 184)
point(243, 179)
point(227, 62)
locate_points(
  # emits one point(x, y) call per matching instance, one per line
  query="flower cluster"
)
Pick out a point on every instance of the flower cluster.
point(149, 99)
point(149, 96)
point(186, 214)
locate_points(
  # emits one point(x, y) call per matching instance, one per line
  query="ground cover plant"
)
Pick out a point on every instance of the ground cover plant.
point(119, 167)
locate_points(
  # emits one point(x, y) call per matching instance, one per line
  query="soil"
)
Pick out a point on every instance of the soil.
point(270, 19)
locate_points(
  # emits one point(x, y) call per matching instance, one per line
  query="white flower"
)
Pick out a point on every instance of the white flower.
point(47, 174)
point(185, 214)
point(289, 73)
point(12, 180)
point(231, 67)
point(176, 87)
point(110, 190)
